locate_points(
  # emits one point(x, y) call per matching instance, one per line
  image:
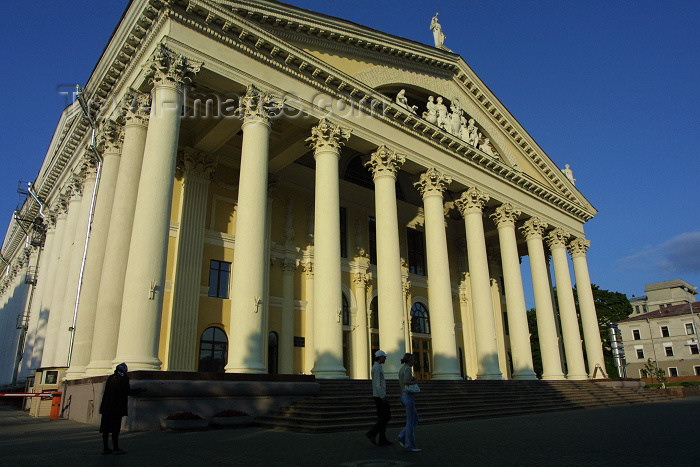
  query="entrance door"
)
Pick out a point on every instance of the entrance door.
point(422, 364)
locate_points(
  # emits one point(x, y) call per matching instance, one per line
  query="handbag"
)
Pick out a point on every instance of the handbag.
point(411, 388)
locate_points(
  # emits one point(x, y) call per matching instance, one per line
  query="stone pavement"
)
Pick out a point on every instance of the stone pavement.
point(657, 434)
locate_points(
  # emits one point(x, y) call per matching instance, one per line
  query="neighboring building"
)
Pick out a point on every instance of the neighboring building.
point(667, 336)
point(663, 294)
point(271, 238)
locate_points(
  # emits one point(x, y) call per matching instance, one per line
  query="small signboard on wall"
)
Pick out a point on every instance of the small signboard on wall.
point(299, 341)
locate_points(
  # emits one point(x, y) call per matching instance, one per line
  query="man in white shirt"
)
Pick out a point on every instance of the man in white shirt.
point(380, 400)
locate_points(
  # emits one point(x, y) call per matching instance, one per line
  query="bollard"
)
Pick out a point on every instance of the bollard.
point(55, 406)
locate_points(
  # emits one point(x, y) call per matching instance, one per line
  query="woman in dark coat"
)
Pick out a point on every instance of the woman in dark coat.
point(114, 407)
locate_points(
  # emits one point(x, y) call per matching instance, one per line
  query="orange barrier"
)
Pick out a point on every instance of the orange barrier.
point(54, 396)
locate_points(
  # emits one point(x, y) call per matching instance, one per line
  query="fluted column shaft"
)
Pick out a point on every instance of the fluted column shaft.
point(445, 361)
point(471, 204)
point(567, 307)
point(286, 343)
point(518, 331)
point(384, 164)
point(144, 281)
point(360, 334)
point(546, 326)
point(589, 317)
point(184, 342)
point(309, 353)
point(112, 137)
point(58, 293)
point(326, 139)
point(111, 287)
point(246, 346)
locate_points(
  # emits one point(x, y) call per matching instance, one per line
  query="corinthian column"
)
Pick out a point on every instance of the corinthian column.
point(384, 163)
point(567, 307)
point(586, 303)
point(505, 217)
point(445, 362)
point(111, 286)
point(112, 136)
point(471, 205)
point(144, 282)
point(196, 168)
point(546, 326)
point(249, 265)
point(326, 140)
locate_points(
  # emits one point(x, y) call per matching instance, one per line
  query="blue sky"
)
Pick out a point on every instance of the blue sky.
point(609, 87)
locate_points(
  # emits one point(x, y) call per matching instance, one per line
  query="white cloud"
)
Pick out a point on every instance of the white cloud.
point(681, 254)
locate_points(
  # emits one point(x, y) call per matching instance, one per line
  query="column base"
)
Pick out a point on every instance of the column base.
point(577, 377)
point(447, 377)
point(557, 377)
point(99, 368)
point(493, 377)
point(75, 373)
point(134, 364)
point(258, 370)
point(525, 375)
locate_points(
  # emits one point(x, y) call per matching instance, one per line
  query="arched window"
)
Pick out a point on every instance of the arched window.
point(272, 352)
point(213, 350)
point(420, 321)
point(346, 311)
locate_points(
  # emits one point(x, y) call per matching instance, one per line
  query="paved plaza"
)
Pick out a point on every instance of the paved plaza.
point(658, 434)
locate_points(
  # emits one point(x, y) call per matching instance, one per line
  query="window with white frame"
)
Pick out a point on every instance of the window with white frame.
point(664, 331)
point(689, 329)
point(697, 370)
point(636, 335)
point(693, 349)
point(672, 371)
point(668, 348)
point(640, 352)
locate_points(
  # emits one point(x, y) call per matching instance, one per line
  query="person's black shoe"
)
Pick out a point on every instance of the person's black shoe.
point(385, 442)
point(371, 438)
point(107, 451)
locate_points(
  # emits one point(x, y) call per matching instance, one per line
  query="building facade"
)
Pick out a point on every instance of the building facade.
point(275, 190)
point(663, 294)
point(668, 336)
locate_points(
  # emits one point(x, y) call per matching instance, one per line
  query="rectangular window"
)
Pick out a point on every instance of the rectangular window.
point(689, 329)
point(416, 251)
point(693, 349)
point(669, 350)
point(343, 232)
point(636, 309)
point(372, 224)
point(636, 335)
point(672, 371)
point(697, 370)
point(640, 353)
point(664, 331)
point(219, 273)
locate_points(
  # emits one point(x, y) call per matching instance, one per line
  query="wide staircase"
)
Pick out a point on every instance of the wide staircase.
point(346, 405)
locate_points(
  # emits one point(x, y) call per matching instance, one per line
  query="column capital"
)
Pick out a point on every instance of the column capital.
point(578, 247)
point(361, 279)
point(136, 108)
point(171, 68)
point(472, 200)
point(505, 215)
point(196, 164)
point(557, 238)
point(257, 106)
point(533, 227)
point(432, 182)
point(385, 161)
point(327, 136)
point(110, 137)
point(288, 265)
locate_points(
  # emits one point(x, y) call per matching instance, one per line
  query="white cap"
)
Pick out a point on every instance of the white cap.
point(380, 353)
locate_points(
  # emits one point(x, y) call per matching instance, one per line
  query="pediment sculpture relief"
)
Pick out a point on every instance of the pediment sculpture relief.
point(453, 120)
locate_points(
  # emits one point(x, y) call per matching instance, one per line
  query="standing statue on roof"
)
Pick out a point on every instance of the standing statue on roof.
point(438, 36)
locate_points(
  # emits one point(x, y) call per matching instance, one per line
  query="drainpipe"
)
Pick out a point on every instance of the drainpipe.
point(98, 158)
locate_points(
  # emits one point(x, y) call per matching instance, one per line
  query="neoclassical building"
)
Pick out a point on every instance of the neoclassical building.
point(272, 190)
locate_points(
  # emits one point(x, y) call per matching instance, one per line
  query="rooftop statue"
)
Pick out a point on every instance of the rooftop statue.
point(403, 102)
point(438, 36)
point(569, 173)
